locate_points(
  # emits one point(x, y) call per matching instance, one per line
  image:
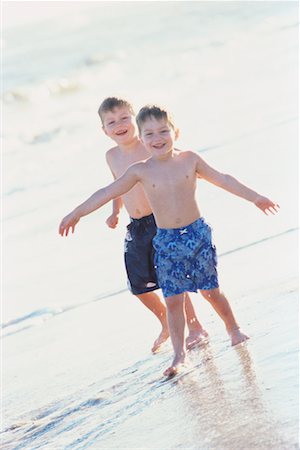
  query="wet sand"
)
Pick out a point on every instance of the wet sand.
point(104, 390)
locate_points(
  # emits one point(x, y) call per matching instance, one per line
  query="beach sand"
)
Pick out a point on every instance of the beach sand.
point(90, 388)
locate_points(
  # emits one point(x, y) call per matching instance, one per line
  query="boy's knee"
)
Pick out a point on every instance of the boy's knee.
point(210, 295)
point(175, 302)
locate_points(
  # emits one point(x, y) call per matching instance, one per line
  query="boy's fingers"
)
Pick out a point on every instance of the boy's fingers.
point(275, 206)
point(274, 209)
point(271, 208)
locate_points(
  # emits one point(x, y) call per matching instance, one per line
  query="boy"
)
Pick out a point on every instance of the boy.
point(185, 257)
point(118, 123)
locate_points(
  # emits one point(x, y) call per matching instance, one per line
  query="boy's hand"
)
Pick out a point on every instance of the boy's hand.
point(68, 222)
point(112, 221)
point(266, 205)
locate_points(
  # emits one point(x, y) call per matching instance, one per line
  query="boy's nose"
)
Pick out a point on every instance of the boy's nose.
point(156, 136)
point(119, 123)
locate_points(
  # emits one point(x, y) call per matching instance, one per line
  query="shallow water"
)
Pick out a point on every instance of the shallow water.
point(78, 371)
point(87, 389)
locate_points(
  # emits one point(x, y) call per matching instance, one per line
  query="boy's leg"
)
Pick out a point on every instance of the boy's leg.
point(176, 321)
point(152, 302)
point(197, 334)
point(221, 305)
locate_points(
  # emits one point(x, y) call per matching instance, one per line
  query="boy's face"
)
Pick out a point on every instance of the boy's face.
point(158, 136)
point(119, 125)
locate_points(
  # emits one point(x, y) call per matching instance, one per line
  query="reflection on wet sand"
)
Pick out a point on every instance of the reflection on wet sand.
point(225, 408)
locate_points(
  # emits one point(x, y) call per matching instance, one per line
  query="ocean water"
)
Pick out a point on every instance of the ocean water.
point(78, 372)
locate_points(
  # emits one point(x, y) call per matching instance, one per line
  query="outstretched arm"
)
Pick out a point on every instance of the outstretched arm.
point(99, 198)
point(234, 186)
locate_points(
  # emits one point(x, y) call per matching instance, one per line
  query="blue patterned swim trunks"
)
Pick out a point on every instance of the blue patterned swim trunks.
point(185, 258)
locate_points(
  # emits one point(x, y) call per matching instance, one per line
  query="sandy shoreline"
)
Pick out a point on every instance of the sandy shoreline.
point(108, 388)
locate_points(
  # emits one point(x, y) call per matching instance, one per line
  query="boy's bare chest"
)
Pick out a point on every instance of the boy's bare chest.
point(175, 179)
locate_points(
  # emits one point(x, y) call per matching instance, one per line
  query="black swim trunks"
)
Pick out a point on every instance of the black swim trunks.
point(139, 255)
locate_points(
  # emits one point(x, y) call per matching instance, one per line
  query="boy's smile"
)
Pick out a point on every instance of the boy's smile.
point(121, 132)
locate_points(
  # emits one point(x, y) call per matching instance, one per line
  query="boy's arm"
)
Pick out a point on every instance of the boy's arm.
point(100, 198)
point(232, 185)
point(113, 219)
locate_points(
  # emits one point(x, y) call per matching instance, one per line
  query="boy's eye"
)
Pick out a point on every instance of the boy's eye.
point(111, 123)
point(148, 134)
point(165, 131)
point(125, 118)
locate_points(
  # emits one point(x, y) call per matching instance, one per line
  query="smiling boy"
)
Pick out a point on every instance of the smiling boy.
point(118, 122)
point(185, 256)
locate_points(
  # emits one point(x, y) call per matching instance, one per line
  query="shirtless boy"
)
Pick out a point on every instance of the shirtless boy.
point(185, 257)
point(118, 123)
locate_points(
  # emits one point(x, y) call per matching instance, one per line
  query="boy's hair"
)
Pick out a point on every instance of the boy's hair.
point(156, 112)
point(110, 103)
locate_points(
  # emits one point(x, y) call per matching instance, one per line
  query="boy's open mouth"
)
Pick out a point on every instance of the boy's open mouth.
point(158, 146)
point(121, 132)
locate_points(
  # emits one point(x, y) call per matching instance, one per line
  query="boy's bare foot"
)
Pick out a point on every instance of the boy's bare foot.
point(237, 337)
point(164, 335)
point(176, 366)
point(195, 338)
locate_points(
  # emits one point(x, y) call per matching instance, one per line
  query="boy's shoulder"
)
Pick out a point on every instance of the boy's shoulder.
point(186, 153)
point(112, 153)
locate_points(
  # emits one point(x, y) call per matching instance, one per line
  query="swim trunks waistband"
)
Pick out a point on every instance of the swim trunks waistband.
point(181, 230)
point(145, 220)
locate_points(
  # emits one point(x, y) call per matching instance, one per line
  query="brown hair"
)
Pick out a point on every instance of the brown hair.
point(156, 112)
point(110, 103)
